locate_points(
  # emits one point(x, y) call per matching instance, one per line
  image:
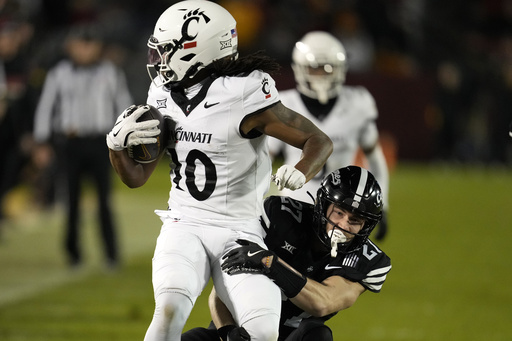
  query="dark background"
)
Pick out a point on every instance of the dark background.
point(440, 71)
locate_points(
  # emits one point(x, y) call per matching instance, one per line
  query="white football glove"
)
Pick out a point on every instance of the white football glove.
point(288, 177)
point(128, 132)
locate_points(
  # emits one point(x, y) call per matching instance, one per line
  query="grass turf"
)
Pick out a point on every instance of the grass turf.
point(449, 244)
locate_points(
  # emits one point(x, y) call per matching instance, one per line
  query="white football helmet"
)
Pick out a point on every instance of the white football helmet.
point(188, 36)
point(319, 65)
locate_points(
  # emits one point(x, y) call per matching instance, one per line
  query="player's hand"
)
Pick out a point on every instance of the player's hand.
point(288, 177)
point(238, 334)
point(128, 132)
point(245, 259)
point(382, 227)
point(233, 333)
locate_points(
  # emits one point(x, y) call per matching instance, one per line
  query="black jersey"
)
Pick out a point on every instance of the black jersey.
point(290, 235)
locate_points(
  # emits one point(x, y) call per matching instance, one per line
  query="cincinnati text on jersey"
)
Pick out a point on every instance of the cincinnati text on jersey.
point(192, 136)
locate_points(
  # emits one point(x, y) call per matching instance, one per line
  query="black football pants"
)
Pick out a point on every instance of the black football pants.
point(82, 158)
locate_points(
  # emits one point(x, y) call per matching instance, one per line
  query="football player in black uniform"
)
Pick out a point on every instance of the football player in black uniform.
point(319, 255)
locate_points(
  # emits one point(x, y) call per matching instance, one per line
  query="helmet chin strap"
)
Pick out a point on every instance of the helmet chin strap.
point(336, 237)
point(189, 77)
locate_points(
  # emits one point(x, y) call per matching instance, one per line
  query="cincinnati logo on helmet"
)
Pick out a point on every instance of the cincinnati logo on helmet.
point(189, 29)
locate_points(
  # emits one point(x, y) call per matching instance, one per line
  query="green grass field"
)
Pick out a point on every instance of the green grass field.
point(449, 242)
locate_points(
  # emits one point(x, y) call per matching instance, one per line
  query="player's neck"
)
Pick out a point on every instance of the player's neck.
point(188, 83)
point(317, 109)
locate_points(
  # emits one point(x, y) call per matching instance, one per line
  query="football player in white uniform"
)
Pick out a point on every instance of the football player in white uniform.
point(347, 114)
point(223, 108)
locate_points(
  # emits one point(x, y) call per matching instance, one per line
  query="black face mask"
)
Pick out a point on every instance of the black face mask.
point(320, 111)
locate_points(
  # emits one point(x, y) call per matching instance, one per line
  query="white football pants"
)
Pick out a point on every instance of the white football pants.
point(187, 254)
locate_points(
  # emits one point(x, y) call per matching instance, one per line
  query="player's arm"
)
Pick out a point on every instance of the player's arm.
point(296, 130)
point(332, 295)
point(378, 166)
point(221, 316)
point(318, 299)
point(128, 132)
point(132, 173)
point(223, 320)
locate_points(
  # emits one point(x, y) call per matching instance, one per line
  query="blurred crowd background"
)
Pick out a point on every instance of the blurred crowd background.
point(440, 71)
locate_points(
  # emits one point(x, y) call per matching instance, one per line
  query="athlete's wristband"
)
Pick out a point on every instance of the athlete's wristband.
point(289, 281)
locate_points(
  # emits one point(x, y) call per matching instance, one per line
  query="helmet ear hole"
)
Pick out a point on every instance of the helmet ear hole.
point(188, 57)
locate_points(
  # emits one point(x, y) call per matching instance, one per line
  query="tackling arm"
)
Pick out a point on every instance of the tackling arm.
point(220, 314)
point(227, 329)
point(318, 299)
point(335, 293)
point(332, 295)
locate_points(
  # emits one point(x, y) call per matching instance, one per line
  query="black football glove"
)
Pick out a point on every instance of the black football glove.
point(239, 334)
point(233, 333)
point(382, 227)
point(245, 259)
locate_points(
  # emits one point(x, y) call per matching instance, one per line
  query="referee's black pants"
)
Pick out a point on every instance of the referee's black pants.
point(82, 157)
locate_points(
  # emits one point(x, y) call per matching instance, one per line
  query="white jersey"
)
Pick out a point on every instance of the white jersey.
point(218, 173)
point(350, 125)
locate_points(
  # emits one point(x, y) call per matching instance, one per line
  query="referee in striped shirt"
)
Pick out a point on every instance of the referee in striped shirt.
point(80, 101)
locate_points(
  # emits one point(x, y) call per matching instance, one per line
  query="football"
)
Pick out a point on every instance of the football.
point(146, 153)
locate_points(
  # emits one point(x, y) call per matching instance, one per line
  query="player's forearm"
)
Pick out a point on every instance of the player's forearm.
point(320, 300)
point(221, 316)
point(133, 174)
point(296, 130)
point(378, 166)
point(315, 153)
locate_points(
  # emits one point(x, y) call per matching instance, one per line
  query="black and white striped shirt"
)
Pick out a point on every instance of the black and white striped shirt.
point(80, 100)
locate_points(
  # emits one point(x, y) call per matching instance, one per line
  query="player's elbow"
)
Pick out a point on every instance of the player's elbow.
point(330, 145)
point(327, 146)
point(327, 143)
point(132, 181)
point(132, 185)
point(319, 310)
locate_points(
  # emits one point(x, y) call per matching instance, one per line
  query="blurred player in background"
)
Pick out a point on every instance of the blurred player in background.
point(319, 254)
point(223, 107)
point(81, 98)
point(347, 114)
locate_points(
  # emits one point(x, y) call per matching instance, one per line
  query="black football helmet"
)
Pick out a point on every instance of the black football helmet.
point(356, 190)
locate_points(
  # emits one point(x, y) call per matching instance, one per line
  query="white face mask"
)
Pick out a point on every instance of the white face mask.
point(336, 237)
point(322, 87)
